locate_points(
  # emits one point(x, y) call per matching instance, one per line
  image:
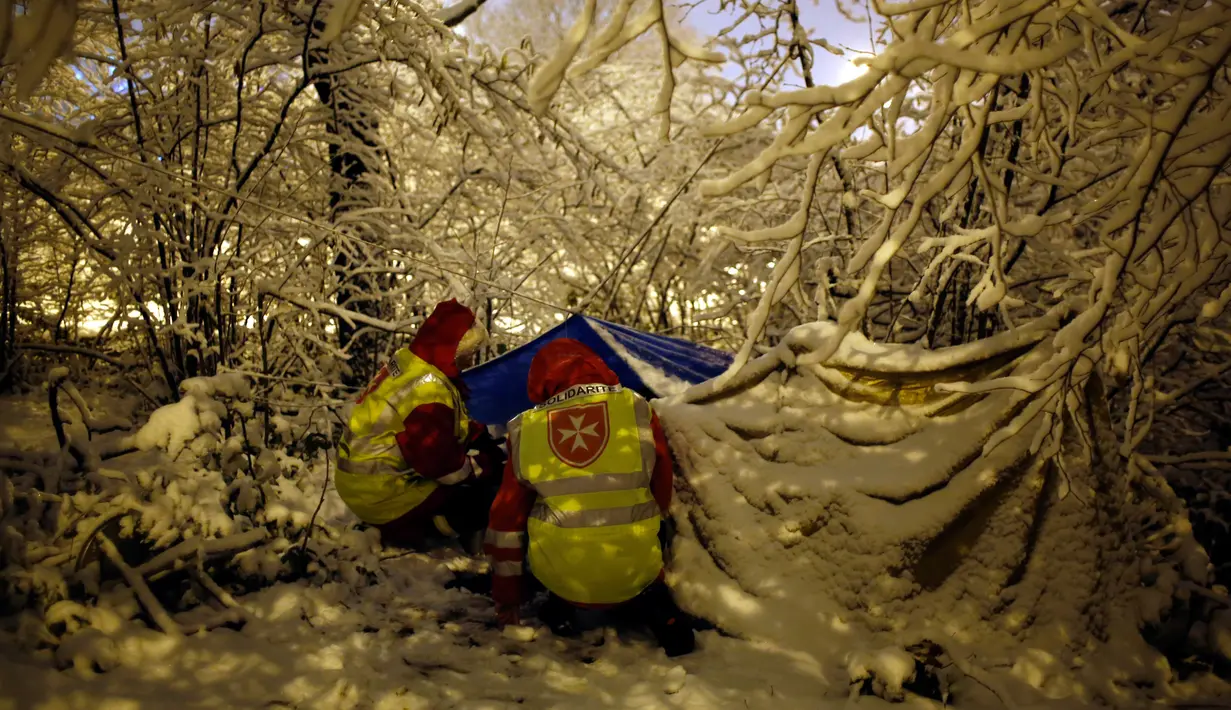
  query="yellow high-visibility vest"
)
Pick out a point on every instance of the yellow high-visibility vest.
point(373, 478)
point(588, 453)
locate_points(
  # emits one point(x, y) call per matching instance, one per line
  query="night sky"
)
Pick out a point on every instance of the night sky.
point(821, 18)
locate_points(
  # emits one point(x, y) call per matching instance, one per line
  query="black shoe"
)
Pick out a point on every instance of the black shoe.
point(675, 636)
point(472, 543)
point(559, 616)
point(670, 625)
point(564, 628)
point(480, 584)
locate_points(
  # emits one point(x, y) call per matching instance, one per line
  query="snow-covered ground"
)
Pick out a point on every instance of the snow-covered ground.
point(405, 642)
point(343, 637)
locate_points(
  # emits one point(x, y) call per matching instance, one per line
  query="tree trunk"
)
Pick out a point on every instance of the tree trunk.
point(354, 132)
point(59, 333)
point(8, 311)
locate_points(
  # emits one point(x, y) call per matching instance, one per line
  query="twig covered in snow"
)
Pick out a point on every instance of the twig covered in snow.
point(213, 587)
point(662, 211)
point(351, 317)
point(74, 350)
point(307, 535)
point(456, 13)
point(196, 546)
point(140, 588)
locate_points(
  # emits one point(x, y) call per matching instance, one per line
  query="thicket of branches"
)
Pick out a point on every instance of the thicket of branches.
point(1016, 159)
point(282, 188)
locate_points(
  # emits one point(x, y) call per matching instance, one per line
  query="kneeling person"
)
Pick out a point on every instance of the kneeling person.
point(411, 462)
point(586, 486)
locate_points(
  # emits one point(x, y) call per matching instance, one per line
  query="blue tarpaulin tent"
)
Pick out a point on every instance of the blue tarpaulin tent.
point(498, 387)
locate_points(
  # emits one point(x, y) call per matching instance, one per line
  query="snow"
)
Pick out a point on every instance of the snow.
point(519, 633)
point(840, 501)
point(406, 643)
point(369, 628)
point(38, 37)
point(341, 15)
point(174, 426)
point(170, 427)
point(890, 668)
point(372, 627)
point(846, 506)
point(548, 78)
point(654, 378)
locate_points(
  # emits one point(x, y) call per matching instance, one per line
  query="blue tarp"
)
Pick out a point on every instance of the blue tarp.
point(498, 387)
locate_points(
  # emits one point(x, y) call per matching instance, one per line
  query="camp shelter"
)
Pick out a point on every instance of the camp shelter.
point(653, 365)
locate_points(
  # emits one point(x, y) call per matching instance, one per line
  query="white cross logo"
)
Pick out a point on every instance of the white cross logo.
point(578, 433)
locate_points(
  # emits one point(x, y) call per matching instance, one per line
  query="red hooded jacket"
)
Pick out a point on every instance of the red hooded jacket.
point(427, 440)
point(558, 366)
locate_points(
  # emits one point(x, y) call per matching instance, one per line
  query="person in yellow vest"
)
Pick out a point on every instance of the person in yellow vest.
point(411, 462)
point(587, 484)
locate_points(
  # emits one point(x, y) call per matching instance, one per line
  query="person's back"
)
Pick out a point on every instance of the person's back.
point(593, 532)
point(588, 482)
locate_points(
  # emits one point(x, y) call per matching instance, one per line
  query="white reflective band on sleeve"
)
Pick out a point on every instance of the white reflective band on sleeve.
point(510, 540)
point(457, 476)
point(507, 569)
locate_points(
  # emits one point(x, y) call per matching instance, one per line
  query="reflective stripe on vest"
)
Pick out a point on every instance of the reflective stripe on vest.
point(373, 478)
point(596, 517)
point(589, 454)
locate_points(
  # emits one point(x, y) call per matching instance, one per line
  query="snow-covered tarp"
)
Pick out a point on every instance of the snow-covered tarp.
point(851, 506)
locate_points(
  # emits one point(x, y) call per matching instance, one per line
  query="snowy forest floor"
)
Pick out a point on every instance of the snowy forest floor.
point(410, 644)
point(405, 642)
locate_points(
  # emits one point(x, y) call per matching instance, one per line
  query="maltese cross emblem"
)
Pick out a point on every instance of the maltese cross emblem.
point(578, 435)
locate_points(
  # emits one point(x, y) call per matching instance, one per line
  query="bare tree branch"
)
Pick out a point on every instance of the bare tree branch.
point(453, 15)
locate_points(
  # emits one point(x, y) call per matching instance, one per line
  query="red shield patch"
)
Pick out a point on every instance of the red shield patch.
point(578, 435)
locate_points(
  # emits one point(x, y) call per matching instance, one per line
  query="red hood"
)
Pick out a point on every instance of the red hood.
point(563, 363)
point(437, 339)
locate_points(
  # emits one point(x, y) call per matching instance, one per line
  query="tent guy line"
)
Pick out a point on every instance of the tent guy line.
point(84, 142)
